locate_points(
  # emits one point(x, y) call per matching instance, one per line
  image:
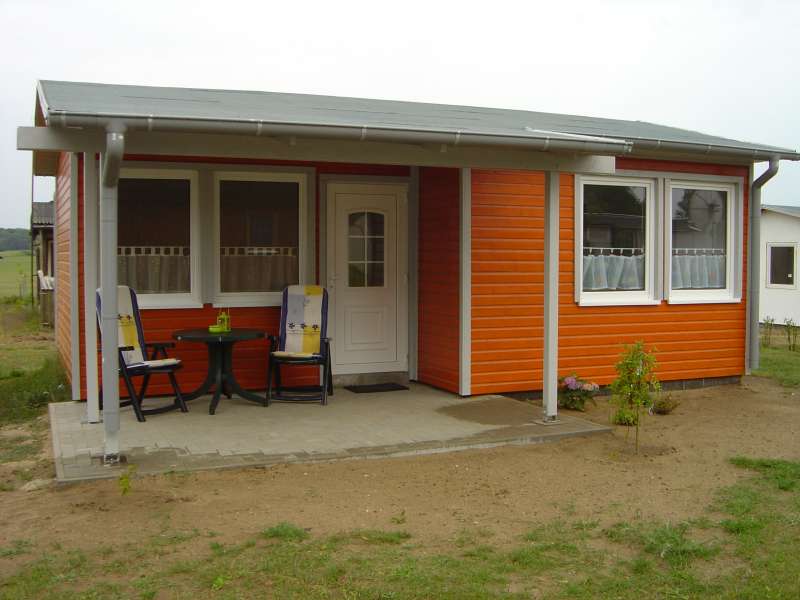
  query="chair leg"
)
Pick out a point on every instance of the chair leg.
point(135, 401)
point(268, 396)
point(330, 374)
point(145, 382)
point(324, 387)
point(179, 402)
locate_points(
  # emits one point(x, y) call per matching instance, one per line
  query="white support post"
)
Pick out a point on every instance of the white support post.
point(465, 278)
point(551, 251)
point(90, 249)
point(111, 160)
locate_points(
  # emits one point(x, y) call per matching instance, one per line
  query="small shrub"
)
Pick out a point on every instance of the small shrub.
point(574, 392)
point(635, 382)
point(792, 331)
point(664, 404)
point(769, 326)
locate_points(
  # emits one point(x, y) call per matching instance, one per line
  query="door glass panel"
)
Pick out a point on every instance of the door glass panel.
point(375, 249)
point(356, 275)
point(374, 274)
point(355, 249)
point(365, 249)
point(357, 223)
point(374, 224)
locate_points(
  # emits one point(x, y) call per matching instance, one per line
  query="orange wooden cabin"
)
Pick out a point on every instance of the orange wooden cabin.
point(502, 249)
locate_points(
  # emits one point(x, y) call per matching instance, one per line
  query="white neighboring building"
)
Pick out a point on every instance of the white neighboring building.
point(780, 244)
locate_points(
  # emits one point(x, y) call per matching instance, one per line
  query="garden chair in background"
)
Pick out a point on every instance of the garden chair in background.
point(302, 341)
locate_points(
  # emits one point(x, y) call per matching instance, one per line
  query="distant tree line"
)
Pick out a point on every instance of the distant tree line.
point(15, 239)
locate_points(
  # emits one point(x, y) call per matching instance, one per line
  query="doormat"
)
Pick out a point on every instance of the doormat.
point(375, 387)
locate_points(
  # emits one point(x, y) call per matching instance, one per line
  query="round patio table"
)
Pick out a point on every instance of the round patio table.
point(220, 363)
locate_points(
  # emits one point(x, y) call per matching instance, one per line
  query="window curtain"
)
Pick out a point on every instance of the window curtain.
point(240, 273)
point(698, 271)
point(613, 272)
point(154, 273)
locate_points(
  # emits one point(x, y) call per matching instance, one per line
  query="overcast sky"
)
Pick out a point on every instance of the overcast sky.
point(728, 68)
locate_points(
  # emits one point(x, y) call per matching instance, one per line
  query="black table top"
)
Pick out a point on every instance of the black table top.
point(236, 334)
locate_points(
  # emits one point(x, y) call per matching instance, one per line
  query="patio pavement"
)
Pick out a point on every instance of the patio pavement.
point(421, 420)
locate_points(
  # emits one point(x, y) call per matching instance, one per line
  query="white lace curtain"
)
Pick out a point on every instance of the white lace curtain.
point(613, 272)
point(698, 271)
point(257, 273)
point(154, 273)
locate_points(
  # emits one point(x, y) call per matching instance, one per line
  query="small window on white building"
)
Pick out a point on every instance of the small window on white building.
point(615, 241)
point(781, 265)
point(156, 244)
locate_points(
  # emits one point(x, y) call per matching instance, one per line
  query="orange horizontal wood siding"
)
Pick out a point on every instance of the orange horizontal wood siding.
point(63, 302)
point(507, 280)
point(690, 340)
point(438, 277)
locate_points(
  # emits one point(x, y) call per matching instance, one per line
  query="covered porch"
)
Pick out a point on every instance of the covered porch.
point(421, 420)
point(445, 167)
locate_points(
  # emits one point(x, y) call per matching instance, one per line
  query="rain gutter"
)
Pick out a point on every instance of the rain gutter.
point(541, 141)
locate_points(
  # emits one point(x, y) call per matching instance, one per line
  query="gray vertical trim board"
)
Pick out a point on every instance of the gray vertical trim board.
point(551, 257)
point(413, 272)
point(205, 198)
point(465, 284)
point(90, 252)
point(74, 289)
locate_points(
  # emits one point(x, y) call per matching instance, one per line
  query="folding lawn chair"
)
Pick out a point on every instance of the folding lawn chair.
point(133, 360)
point(302, 341)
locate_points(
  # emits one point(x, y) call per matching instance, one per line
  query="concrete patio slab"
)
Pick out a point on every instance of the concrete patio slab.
point(421, 420)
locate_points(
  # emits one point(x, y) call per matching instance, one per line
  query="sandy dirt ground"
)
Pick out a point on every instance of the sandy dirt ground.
point(504, 491)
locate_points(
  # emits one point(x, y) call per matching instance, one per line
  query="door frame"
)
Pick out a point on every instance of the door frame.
point(407, 250)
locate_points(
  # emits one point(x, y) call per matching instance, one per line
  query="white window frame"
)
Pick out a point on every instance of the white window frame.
point(768, 274)
point(192, 299)
point(648, 296)
point(235, 299)
point(732, 293)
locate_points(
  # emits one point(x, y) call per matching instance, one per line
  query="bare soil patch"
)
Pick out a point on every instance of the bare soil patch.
point(498, 493)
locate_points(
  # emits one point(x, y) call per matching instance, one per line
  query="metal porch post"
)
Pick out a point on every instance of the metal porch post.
point(111, 159)
point(551, 252)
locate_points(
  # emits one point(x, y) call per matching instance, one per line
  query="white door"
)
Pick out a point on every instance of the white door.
point(367, 277)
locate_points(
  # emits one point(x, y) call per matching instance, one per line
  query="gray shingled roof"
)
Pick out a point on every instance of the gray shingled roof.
point(792, 211)
point(42, 214)
point(105, 100)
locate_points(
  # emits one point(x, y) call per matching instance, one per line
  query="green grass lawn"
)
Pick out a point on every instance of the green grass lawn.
point(15, 273)
point(781, 364)
point(745, 547)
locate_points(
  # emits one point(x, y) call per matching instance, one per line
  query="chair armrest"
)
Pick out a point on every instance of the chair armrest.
point(124, 348)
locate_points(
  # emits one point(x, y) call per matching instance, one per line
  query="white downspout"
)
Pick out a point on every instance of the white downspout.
point(754, 263)
point(111, 160)
point(551, 256)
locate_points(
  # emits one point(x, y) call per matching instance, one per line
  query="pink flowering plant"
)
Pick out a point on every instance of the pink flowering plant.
point(574, 392)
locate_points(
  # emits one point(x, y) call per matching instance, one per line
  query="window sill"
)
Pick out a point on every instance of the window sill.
point(778, 286)
point(703, 300)
point(619, 302)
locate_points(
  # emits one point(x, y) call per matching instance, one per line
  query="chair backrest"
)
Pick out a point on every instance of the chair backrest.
point(304, 318)
point(129, 324)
